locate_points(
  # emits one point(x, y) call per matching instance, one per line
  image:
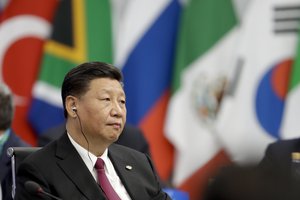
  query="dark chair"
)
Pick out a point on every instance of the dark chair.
point(17, 155)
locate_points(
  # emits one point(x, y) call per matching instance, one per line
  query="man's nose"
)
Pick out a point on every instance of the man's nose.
point(117, 110)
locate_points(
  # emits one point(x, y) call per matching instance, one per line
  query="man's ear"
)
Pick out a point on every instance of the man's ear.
point(71, 105)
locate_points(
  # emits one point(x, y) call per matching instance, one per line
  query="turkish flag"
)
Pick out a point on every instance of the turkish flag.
point(24, 26)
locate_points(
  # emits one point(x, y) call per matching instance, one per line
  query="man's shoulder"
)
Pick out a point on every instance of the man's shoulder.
point(120, 147)
point(286, 142)
point(15, 141)
point(124, 150)
point(286, 145)
point(41, 154)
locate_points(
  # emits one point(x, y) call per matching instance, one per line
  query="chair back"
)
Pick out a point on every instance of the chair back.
point(17, 155)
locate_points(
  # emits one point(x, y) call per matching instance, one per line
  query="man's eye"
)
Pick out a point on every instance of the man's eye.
point(123, 101)
point(106, 99)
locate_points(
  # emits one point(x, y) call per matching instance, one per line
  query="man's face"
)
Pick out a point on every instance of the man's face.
point(102, 110)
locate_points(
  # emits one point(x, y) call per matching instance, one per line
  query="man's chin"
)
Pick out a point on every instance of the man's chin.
point(114, 138)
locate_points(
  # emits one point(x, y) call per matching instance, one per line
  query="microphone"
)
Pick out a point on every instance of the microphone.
point(34, 189)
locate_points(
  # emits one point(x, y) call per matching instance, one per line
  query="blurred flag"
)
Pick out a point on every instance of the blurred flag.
point(145, 51)
point(252, 113)
point(204, 55)
point(3, 3)
point(76, 38)
point(290, 124)
point(24, 24)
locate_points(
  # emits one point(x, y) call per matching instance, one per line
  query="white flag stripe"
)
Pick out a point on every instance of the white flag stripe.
point(48, 93)
point(131, 20)
point(291, 123)
point(19, 27)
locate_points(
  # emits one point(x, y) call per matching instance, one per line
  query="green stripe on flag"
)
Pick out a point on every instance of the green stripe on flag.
point(295, 71)
point(98, 42)
point(54, 69)
point(99, 30)
point(204, 23)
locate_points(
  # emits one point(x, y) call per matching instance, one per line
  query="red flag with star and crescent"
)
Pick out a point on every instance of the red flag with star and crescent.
point(24, 26)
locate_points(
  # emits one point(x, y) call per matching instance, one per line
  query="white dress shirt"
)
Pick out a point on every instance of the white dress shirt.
point(90, 161)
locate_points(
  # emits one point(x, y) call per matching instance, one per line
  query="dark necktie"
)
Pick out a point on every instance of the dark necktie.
point(104, 182)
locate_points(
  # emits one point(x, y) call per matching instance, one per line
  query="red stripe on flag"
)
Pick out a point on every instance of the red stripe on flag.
point(162, 151)
point(196, 184)
point(20, 74)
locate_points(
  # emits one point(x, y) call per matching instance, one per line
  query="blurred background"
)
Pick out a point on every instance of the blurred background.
point(210, 82)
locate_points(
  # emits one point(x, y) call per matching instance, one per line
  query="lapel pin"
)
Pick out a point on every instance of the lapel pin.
point(128, 167)
point(296, 157)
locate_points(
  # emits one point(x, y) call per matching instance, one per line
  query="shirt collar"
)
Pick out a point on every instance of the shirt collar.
point(88, 157)
point(4, 137)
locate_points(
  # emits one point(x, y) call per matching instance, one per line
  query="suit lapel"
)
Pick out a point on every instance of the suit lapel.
point(126, 171)
point(72, 164)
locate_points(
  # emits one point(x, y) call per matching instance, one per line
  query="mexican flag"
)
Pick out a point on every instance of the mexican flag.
point(205, 55)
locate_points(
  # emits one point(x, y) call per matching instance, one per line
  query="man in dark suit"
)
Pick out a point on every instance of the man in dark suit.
point(236, 182)
point(131, 136)
point(7, 139)
point(279, 155)
point(282, 158)
point(95, 110)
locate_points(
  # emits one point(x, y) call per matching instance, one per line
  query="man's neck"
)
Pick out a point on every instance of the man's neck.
point(94, 145)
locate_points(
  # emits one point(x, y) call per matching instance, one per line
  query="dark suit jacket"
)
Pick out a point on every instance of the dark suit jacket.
point(250, 183)
point(278, 155)
point(277, 162)
point(5, 163)
point(59, 169)
point(131, 137)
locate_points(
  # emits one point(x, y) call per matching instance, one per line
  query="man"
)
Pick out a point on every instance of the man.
point(283, 158)
point(236, 182)
point(279, 156)
point(7, 138)
point(71, 167)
